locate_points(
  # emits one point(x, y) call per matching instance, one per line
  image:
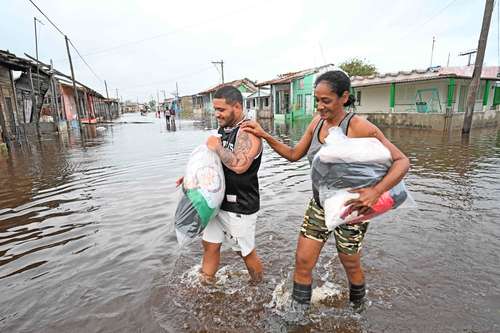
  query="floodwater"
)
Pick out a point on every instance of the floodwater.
point(86, 241)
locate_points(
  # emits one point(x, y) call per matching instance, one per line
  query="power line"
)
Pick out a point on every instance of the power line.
point(90, 68)
point(430, 19)
point(62, 33)
point(169, 80)
point(53, 24)
point(118, 46)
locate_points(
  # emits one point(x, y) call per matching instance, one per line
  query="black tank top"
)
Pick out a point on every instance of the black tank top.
point(242, 190)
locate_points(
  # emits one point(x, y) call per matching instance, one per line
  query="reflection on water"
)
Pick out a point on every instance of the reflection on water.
point(86, 241)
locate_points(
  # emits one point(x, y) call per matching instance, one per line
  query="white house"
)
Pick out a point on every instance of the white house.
point(425, 98)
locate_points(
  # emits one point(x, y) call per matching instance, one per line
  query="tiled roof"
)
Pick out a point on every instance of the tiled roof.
point(236, 83)
point(289, 77)
point(423, 75)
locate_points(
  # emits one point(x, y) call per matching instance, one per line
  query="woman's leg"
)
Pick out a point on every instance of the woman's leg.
point(352, 267)
point(306, 256)
point(349, 240)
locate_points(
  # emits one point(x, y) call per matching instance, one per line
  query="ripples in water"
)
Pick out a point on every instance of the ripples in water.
point(86, 242)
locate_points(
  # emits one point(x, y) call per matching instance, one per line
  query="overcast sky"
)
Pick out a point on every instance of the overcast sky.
point(141, 47)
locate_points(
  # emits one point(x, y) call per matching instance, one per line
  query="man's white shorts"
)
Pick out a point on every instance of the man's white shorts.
point(236, 229)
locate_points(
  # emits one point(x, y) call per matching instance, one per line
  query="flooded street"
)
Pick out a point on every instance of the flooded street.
point(87, 243)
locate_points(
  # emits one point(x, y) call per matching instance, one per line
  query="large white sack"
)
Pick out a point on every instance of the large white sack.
point(341, 149)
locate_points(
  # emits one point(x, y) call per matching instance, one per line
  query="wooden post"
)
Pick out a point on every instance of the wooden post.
point(75, 91)
point(16, 108)
point(478, 67)
point(86, 105)
point(33, 97)
point(55, 111)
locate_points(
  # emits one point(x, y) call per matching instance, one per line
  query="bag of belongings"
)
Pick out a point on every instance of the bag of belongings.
point(202, 194)
point(343, 164)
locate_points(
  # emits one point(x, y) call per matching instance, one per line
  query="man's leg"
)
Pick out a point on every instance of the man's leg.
point(211, 260)
point(254, 266)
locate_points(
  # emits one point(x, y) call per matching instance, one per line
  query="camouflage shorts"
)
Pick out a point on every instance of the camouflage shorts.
point(348, 238)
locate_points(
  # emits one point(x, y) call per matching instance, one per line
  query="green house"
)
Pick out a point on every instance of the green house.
point(292, 94)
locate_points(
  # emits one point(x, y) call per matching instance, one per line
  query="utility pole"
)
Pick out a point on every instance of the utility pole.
point(36, 52)
point(448, 62)
point(75, 91)
point(178, 102)
point(117, 103)
point(106, 85)
point(468, 53)
point(221, 63)
point(158, 99)
point(478, 66)
point(432, 50)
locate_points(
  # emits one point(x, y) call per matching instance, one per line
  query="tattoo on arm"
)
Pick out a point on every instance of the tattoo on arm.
point(239, 157)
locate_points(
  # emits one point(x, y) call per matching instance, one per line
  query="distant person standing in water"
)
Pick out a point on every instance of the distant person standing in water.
point(167, 115)
point(332, 96)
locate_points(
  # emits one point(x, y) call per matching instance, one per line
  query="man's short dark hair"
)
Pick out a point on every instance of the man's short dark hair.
point(231, 94)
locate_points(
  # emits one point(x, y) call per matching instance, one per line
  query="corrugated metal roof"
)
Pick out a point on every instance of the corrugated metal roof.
point(236, 83)
point(12, 61)
point(262, 93)
point(289, 77)
point(433, 73)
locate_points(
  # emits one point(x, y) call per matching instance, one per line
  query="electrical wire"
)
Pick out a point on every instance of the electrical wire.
point(65, 36)
point(53, 24)
point(85, 62)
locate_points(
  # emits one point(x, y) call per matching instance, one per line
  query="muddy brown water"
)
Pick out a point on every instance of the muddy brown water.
point(86, 242)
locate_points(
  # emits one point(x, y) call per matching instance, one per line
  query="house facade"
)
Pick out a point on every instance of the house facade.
point(405, 98)
point(292, 94)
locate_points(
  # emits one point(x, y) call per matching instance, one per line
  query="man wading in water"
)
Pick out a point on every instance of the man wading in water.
point(240, 153)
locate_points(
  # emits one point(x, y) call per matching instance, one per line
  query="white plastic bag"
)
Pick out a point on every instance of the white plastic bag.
point(346, 163)
point(203, 191)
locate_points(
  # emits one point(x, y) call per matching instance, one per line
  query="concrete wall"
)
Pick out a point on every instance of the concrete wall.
point(434, 121)
point(373, 99)
point(69, 103)
point(187, 106)
point(406, 95)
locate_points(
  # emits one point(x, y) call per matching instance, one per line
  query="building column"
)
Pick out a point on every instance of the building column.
point(392, 97)
point(451, 95)
point(486, 94)
point(496, 97)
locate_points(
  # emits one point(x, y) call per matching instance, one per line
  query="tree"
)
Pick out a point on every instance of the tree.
point(358, 67)
point(152, 104)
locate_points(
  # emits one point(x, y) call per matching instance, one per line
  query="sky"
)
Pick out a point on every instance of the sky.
point(143, 48)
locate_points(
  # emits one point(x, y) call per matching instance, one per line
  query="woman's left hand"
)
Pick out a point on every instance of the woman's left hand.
point(368, 196)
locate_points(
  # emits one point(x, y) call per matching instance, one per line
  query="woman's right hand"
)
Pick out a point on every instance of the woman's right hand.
point(254, 128)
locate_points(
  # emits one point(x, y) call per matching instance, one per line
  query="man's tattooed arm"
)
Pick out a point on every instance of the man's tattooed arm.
point(241, 158)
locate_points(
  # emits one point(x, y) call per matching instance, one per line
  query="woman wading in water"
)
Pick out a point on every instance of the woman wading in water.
point(332, 95)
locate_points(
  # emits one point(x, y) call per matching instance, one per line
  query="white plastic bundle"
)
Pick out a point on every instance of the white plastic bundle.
point(345, 163)
point(203, 191)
